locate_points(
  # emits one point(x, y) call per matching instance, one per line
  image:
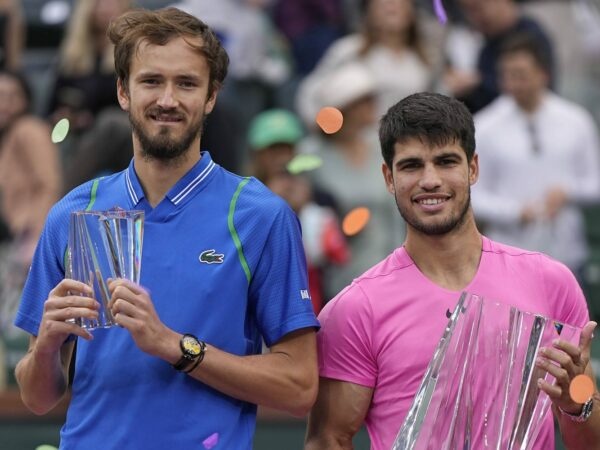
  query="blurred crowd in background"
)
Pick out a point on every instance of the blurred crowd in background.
point(529, 71)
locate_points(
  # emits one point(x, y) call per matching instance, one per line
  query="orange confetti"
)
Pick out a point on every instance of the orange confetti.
point(355, 221)
point(330, 119)
point(581, 388)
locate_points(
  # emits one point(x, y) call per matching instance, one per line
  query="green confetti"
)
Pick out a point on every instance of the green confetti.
point(304, 163)
point(60, 131)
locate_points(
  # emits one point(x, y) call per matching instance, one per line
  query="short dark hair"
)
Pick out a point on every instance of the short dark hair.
point(524, 42)
point(434, 119)
point(159, 27)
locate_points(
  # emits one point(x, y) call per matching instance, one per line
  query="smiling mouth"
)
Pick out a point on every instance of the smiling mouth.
point(168, 118)
point(431, 201)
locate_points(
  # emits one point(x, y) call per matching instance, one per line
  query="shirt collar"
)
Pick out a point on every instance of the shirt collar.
point(134, 188)
point(193, 180)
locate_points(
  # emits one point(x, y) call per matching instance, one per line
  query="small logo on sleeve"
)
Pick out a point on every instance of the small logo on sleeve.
point(304, 294)
point(210, 257)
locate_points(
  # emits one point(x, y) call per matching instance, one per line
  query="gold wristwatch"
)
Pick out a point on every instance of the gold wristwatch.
point(192, 352)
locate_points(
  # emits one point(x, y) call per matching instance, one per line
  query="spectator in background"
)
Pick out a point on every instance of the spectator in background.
point(539, 158)
point(310, 27)
point(85, 93)
point(351, 168)
point(574, 27)
point(390, 46)
point(273, 136)
point(12, 34)
point(85, 81)
point(497, 21)
point(30, 183)
point(11, 42)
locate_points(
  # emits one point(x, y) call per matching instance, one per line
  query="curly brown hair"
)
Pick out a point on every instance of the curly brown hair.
point(159, 27)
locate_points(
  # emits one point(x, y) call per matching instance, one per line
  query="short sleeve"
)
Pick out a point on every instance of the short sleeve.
point(279, 289)
point(46, 271)
point(569, 302)
point(345, 339)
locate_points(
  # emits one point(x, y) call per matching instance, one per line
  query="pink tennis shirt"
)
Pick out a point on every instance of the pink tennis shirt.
point(382, 330)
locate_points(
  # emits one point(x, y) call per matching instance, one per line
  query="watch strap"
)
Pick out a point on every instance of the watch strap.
point(586, 412)
point(183, 362)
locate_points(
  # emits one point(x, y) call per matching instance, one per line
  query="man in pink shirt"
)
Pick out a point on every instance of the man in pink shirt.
point(378, 335)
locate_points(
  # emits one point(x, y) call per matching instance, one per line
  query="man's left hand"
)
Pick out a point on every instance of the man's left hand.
point(564, 361)
point(132, 308)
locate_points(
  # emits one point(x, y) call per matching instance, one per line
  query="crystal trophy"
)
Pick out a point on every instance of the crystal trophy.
point(103, 245)
point(482, 380)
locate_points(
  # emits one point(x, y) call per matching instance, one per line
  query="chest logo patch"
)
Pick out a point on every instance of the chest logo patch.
point(210, 257)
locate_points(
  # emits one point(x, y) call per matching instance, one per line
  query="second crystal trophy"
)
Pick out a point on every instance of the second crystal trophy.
point(480, 389)
point(103, 245)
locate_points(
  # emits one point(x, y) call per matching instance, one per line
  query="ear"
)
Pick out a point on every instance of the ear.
point(474, 169)
point(388, 177)
point(122, 95)
point(210, 103)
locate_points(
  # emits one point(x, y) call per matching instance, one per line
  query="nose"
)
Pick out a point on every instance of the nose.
point(167, 98)
point(430, 179)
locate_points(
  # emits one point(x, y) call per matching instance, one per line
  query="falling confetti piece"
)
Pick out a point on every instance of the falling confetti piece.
point(304, 163)
point(211, 441)
point(60, 131)
point(581, 388)
point(440, 12)
point(330, 119)
point(355, 221)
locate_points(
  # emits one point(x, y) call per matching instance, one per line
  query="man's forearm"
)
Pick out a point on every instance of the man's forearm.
point(585, 435)
point(284, 379)
point(42, 379)
point(261, 379)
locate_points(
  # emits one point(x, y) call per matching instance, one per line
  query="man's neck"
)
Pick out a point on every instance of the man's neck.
point(158, 177)
point(450, 261)
point(392, 40)
point(531, 107)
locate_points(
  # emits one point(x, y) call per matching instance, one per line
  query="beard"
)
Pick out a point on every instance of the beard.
point(163, 146)
point(453, 222)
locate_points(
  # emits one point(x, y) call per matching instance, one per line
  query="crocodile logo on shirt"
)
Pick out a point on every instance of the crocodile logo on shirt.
point(210, 257)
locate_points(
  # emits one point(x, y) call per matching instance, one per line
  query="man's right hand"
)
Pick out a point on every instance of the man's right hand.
point(62, 306)
point(43, 372)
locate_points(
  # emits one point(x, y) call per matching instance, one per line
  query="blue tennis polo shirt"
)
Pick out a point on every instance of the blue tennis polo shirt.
point(222, 259)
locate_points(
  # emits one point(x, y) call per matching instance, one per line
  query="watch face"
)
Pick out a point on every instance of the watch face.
point(191, 345)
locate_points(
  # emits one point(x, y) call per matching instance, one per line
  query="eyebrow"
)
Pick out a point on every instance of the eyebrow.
point(189, 77)
point(414, 159)
point(448, 155)
point(147, 73)
point(408, 160)
point(185, 76)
